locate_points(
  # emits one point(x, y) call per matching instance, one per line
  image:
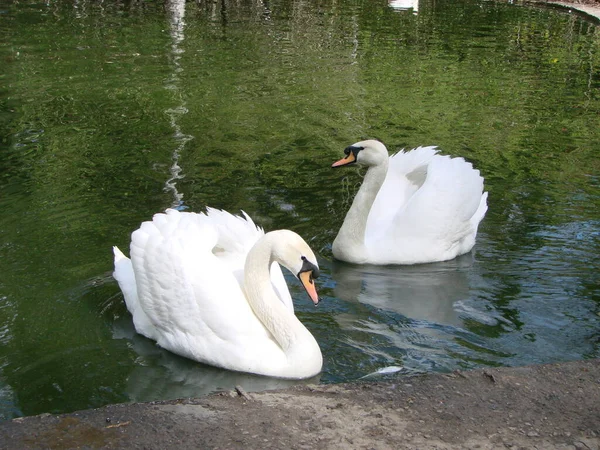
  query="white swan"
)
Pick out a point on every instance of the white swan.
point(425, 208)
point(209, 287)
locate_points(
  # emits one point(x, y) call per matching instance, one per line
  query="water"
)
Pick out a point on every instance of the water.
point(112, 111)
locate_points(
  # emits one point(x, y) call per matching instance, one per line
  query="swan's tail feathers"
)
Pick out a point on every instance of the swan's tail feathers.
point(457, 180)
point(448, 203)
point(480, 213)
point(119, 256)
point(126, 278)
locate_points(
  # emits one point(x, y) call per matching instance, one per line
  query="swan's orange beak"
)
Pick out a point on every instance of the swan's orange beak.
point(345, 161)
point(308, 282)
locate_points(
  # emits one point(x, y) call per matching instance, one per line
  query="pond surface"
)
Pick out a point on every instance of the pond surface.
point(113, 111)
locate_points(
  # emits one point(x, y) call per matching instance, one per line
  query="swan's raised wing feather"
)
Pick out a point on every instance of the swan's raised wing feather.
point(126, 278)
point(235, 236)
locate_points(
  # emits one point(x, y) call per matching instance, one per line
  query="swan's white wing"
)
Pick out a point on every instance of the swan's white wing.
point(236, 236)
point(443, 200)
point(190, 295)
point(406, 174)
point(480, 213)
point(450, 196)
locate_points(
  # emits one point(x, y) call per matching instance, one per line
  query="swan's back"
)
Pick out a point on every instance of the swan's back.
point(428, 209)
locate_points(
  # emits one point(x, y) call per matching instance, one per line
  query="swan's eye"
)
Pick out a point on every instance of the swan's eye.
point(352, 149)
point(307, 266)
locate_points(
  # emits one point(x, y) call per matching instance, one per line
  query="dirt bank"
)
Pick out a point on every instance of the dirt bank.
point(589, 7)
point(544, 407)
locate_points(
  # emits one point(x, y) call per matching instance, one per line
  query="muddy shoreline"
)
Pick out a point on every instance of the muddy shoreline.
point(590, 8)
point(554, 406)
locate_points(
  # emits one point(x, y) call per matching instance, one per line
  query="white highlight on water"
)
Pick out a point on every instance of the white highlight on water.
point(385, 371)
point(177, 9)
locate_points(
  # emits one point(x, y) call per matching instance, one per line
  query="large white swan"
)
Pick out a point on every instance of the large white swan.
point(209, 287)
point(413, 207)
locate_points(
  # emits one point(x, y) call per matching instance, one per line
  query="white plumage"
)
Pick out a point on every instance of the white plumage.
point(412, 207)
point(209, 287)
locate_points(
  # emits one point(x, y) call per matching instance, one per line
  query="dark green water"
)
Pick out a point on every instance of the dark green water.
point(112, 111)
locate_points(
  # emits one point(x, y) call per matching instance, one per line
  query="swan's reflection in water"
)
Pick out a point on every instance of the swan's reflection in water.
point(421, 292)
point(410, 316)
point(162, 375)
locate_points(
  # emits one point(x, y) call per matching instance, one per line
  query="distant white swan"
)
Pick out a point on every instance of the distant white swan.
point(209, 287)
point(413, 207)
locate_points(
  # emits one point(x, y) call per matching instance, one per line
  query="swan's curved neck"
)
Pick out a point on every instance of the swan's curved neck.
point(279, 320)
point(351, 237)
point(301, 354)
